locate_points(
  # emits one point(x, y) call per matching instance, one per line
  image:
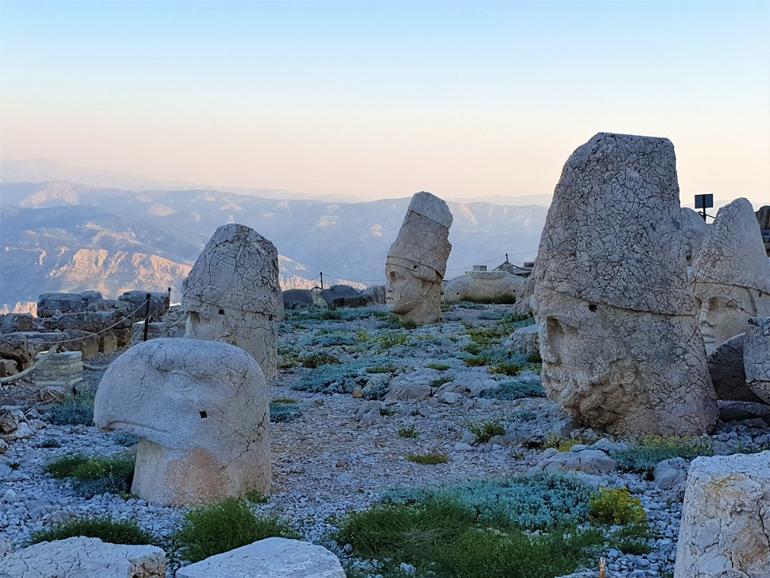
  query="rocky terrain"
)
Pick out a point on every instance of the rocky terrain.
point(358, 404)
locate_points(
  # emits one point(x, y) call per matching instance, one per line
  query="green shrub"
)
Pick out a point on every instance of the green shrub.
point(616, 507)
point(223, 526)
point(473, 348)
point(534, 357)
point(648, 451)
point(439, 381)
point(428, 459)
point(515, 390)
point(97, 475)
point(442, 537)
point(563, 444)
point(385, 368)
point(486, 431)
point(507, 368)
point(281, 411)
point(362, 336)
point(438, 366)
point(317, 359)
point(408, 324)
point(476, 361)
point(105, 529)
point(256, 497)
point(392, 339)
point(408, 432)
point(488, 336)
point(75, 410)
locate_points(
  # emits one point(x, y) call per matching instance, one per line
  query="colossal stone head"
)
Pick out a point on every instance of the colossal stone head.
point(731, 275)
point(619, 341)
point(201, 411)
point(417, 259)
point(694, 230)
point(232, 294)
point(484, 287)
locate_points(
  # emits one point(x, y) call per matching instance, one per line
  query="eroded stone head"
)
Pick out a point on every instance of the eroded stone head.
point(201, 411)
point(731, 276)
point(232, 293)
point(618, 338)
point(416, 262)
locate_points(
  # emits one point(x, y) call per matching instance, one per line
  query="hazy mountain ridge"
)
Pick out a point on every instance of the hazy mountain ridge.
point(64, 236)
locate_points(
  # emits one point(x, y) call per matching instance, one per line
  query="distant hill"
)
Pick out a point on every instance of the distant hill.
point(61, 236)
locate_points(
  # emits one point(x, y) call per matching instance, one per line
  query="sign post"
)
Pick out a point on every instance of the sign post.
point(704, 202)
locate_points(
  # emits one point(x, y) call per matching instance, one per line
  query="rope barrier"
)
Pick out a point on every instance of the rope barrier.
point(17, 376)
point(113, 326)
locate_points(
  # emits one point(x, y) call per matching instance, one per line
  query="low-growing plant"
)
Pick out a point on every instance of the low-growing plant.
point(76, 409)
point(476, 361)
point(506, 368)
point(534, 357)
point(488, 336)
point(318, 359)
point(648, 451)
point(256, 497)
point(362, 336)
point(392, 339)
point(510, 390)
point(617, 507)
point(385, 368)
point(473, 348)
point(106, 529)
point(96, 475)
point(429, 459)
point(485, 431)
point(563, 444)
point(408, 324)
point(438, 366)
point(223, 526)
point(283, 411)
point(408, 432)
point(439, 381)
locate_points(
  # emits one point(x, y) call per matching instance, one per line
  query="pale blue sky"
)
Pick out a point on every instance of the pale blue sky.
point(384, 98)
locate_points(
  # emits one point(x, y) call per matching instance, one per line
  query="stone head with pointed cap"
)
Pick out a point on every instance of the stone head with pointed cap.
point(731, 275)
point(618, 340)
point(416, 262)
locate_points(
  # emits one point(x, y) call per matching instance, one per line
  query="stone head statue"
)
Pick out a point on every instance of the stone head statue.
point(416, 262)
point(232, 294)
point(201, 411)
point(756, 356)
point(618, 340)
point(731, 275)
point(694, 230)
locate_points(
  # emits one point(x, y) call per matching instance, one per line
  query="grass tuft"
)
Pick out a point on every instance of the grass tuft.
point(75, 410)
point(318, 359)
point(105, 529)
point(429, 459)
point(408, 432)
point(223, 526)
point(648, 451)
point(485, 431)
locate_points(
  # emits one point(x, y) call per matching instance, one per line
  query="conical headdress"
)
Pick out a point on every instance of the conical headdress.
point(733, 252)
point(613, 231)
point(423, 244)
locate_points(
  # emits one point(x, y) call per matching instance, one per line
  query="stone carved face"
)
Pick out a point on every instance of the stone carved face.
point(404, 291)
point(618, 368)
point(724, 311)
point(181, 394)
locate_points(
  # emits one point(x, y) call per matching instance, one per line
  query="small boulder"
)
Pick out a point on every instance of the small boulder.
point(85, 558)
point(671, 474)
point(269, 558)
point(525, 341)
point(588, 461)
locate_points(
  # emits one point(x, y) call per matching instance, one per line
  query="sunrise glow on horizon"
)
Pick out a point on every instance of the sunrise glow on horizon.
point(381, 99)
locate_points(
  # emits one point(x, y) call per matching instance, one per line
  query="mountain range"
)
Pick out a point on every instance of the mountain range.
point(63, 236)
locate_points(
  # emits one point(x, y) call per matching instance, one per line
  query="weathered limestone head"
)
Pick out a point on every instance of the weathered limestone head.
point(756, 357)
point(484, 287)
point(694, 230)
point(232, 294)
point(416, 262)
point(731, 275)
point(619, 341)
point(201, 411)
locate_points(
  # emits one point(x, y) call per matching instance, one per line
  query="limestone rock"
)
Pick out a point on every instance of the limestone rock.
point(269, 558)
point(671, 474)
point(201, 411)
point(297, 298)
point(232, 294)
point(525, 341)
point(588, 461)
point(51, 304)
point(694, 230)
point(731, 276)
point(756, 357)
point(13, 322)
point(727, 373)
point(725, 528)
point(375, 294)
point(484, 287)
point(159, 302)
point(619, 338)
point(63, 368)
point(84, 558)
point(417, 259)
